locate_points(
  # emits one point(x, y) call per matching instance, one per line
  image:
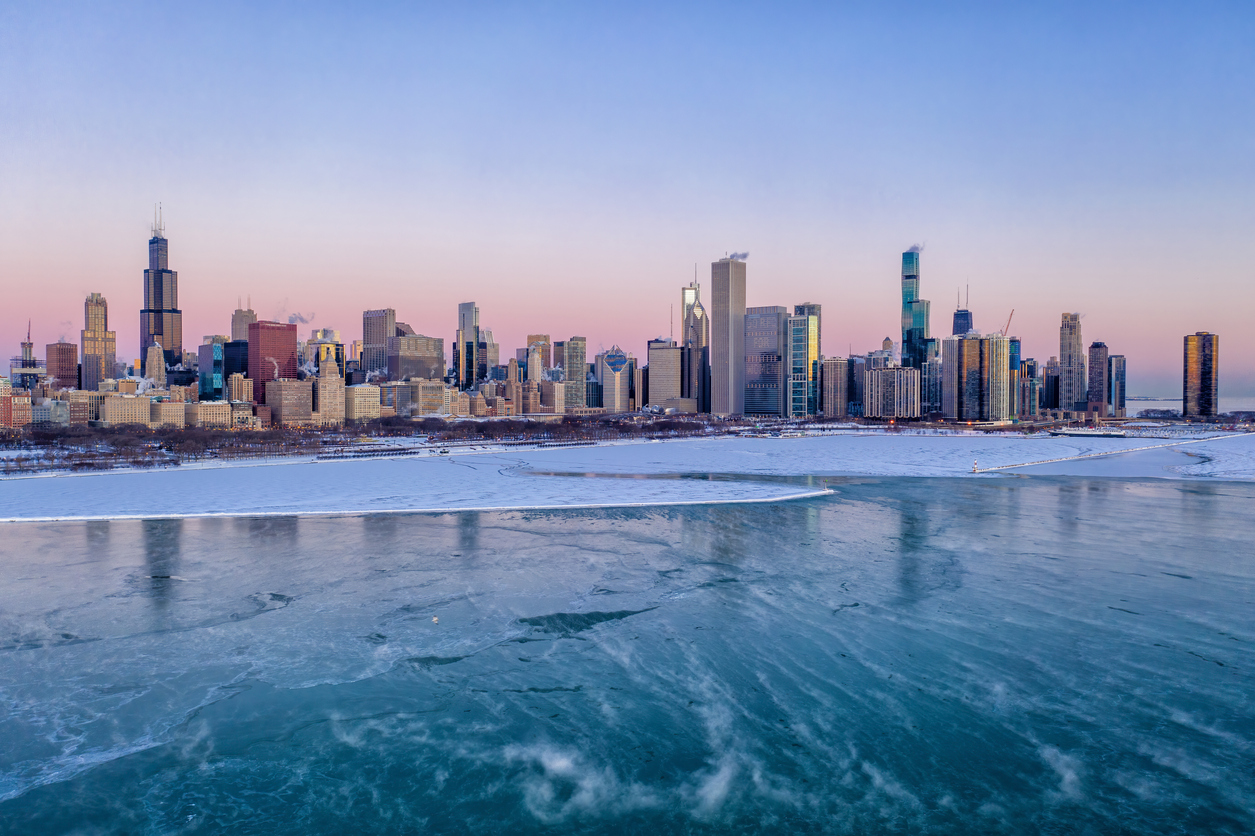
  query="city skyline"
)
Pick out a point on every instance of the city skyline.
point(1116, 190)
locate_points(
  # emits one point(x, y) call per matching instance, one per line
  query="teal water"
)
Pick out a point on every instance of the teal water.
point(1019, 655)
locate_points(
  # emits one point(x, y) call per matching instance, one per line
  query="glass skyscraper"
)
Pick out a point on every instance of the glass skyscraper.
point(803, 366)
point(917, 344)
point(160, 320)
point(766, 350)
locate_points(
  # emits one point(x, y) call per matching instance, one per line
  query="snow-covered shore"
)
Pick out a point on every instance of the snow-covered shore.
point(671, 472)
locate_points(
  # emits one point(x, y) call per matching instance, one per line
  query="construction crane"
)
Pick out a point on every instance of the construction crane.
point(1006, 329)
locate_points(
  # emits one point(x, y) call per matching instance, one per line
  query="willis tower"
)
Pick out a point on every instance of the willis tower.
point(160, 320)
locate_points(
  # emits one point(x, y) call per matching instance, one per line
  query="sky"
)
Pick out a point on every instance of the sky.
point(570, 166)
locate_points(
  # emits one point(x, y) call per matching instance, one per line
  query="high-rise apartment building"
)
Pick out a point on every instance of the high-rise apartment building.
point(1116, 371)
point(61, 359)
point(891, 392)
point(995, 374)
point(727, 336)
point(241, 319)
point(1097, 392)
point(1073, 382)
point(961, 377)
point(377, 326)
point(271, 355)
point(766, 360)
point(917, 343)
point(98, 342)
point(575, 372)
point(695, 341)
point(1200, 375)
point(466, 346)
point(160, 320)
point(802, 366)
point(834, 387)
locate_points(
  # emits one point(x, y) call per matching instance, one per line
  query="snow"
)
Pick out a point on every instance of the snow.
point(608, 475)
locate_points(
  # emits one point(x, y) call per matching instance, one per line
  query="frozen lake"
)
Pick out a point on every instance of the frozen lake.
point(978, 654)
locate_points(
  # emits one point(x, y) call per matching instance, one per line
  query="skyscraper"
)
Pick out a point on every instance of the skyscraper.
point(727, 336)
point(1097, 392)
point(1073, 385)
point(766, 366)
point(1201, 371)
point(666, 371)
point(695, 342)
point(614, 373)
point(917, 344)
point(271, 355)
point(546, 348)
point(98, 342)
point(241, 319)
point(160, 320)
point(834, 387)
point(61, 359)
point(466, 346)
point(803, 366)
point(961, 377)
point(377, 326)
point(575, 371)
point(1116, 371)
point(815, 310)
point(962, 318)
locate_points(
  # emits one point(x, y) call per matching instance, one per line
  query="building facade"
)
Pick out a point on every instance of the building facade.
point(695, 341)
point(160, 320)
point(98, 342)
point(271, 355)
point(1073, 382)
point(834, 387)
point(727, 337)
point(1097, 393)
point(377, 326)
point(802, 366)
point(61, 359)
point(766, 344)
point(891, 392)
point(917, 343)
point(1201, 373)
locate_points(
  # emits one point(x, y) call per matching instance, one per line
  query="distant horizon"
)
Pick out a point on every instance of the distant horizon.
point(569, 168)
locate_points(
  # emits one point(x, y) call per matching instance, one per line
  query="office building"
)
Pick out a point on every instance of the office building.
point(695, 341)
point(834, 387)
point(546, 349)
point(802, 366)
point(160, 320)
point(361, 403)
point(61, 360)
point(575, 374)
point(466, 346)
point(1115, 385)
point(766, 372)
point(241, 319)
point(235, 357)
point(154, 363)
point(1097, 391)
point(1073, 382)
point(614, 375)
point(917, 343)
point(291, 402)
point(1200, 375)
point(891, 392)
point(666, 371)
point(487, 355)
point(727, 336)
point(816, 310)
point(377, 326)
point(271, 355)
point(416, 356)
point(99, 344)
point(211, 370)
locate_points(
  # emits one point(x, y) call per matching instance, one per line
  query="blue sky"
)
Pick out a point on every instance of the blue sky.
point(566, 165)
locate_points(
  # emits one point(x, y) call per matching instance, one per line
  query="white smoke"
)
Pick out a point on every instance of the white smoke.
point(300, 318)
point(276, 365)
point(916, 248)
point(739, 256)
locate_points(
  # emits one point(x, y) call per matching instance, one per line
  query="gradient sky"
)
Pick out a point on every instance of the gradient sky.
point(565, 165)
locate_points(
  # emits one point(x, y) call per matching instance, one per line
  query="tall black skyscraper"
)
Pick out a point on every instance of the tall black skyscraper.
point(160, 320)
